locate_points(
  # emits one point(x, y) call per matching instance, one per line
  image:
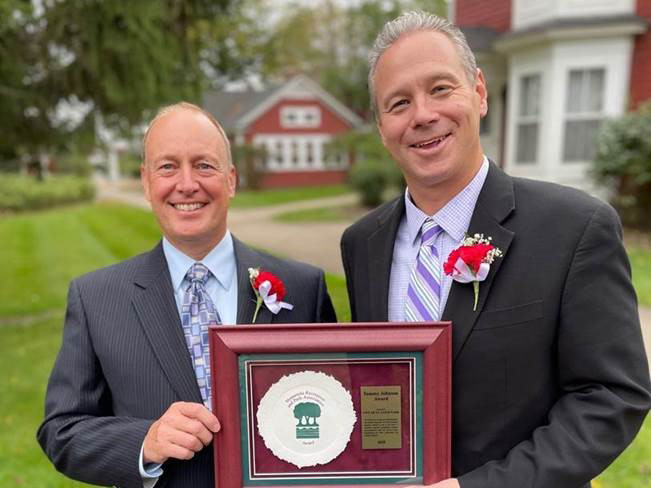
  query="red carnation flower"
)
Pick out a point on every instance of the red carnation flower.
point(277, 285)
point(473, 256)
point(476, 254)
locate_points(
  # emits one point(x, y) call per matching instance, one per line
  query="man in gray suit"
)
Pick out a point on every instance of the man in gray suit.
point(127, 401)
point(550, 380)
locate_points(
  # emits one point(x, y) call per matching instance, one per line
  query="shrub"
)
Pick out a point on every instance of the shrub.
point(375, 171)
point(370, 178)
point(624, 159)
point(18, 193)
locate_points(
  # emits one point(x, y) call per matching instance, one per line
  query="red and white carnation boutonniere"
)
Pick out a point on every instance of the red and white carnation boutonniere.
point(472, 261)
point(269, 289)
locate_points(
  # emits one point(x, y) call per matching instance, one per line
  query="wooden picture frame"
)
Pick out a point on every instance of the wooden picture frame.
point(431, 342)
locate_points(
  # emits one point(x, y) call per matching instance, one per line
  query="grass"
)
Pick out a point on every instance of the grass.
point(249, 199)
point(41, 252)
point(27, 354)
point(322, 214)
point(633, 468)
point(641, 264)
point(337, 290)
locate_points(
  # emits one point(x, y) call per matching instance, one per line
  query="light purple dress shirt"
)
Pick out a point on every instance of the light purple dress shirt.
point(454, 219)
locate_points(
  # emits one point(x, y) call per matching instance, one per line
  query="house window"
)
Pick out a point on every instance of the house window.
point(300, 117)
point(279, 152)
point(294, 153)
point(583, 113)
point(309, 153)
point(527, 121)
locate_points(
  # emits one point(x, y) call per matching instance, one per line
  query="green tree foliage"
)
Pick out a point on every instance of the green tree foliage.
point(374, 171)
point(330, 43)
point(624, 158)
point(113, 60)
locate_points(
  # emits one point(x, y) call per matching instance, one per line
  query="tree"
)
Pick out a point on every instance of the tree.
point(624, 159)
point(331, 44)
point(101, 60)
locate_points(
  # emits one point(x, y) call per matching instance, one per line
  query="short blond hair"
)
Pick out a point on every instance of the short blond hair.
point(188, 106)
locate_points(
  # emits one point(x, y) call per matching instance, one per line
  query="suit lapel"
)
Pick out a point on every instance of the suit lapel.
point(496, 201)
point(380, 252)
point(159, 317)
point(246, 258)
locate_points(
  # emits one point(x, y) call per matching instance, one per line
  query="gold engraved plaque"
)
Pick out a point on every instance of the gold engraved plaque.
point(381, 425)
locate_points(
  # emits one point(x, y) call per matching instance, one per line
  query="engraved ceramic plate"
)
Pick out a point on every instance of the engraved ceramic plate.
point(306, 418)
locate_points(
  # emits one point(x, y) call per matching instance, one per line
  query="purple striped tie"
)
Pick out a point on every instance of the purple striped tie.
point(424, 291)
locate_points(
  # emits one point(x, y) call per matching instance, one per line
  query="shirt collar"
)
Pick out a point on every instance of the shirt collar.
point(454, 217)
point(220, 261)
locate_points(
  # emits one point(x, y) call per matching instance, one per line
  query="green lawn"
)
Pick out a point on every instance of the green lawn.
point(641, 264)
point(41, 252)
point(248, 199)
point(321, 214)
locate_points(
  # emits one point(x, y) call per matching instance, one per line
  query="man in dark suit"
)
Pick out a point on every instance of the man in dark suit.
point(127, 401)
point(550, 379)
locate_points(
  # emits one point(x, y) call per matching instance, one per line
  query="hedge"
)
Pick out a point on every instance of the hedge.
point(19, 193)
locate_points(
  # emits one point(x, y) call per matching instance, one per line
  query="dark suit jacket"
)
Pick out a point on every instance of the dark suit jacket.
point(550, 379)
point(123, 361)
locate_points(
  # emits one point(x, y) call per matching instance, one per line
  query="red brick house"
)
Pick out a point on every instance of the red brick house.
point(293, 121)
point(556, 69)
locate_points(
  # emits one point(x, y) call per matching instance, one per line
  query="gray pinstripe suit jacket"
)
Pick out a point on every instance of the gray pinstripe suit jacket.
point(123, 361)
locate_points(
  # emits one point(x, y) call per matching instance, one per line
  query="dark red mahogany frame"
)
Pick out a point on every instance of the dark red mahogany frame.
point(432, 339)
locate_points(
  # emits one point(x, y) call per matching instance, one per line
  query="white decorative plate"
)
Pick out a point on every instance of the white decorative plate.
point(306, 418)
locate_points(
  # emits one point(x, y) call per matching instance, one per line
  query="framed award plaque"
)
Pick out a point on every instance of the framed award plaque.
point(331, 404)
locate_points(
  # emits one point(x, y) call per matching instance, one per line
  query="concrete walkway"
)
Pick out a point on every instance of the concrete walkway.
point(313, 242)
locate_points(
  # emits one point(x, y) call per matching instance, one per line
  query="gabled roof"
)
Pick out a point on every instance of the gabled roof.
point(229, 107)
point(236, 110)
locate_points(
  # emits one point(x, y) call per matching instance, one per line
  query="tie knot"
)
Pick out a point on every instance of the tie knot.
point(430, 230)
point(198, 272)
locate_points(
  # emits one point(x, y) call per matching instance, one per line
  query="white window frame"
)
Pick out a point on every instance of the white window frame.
point(300, 116)
point(280, 155)
point(582, 113)
point(528, 116)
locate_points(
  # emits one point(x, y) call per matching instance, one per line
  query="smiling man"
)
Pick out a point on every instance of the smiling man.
point(550, 380)
point(128, 401)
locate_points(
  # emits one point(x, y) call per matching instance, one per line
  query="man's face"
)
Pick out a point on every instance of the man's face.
point(429, 112)
point(187, 179)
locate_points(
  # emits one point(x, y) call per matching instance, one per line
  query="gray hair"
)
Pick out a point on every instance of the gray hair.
point(415, 21)
point(194, 108)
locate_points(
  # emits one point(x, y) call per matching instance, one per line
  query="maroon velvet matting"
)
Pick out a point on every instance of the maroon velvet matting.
point(352, 374)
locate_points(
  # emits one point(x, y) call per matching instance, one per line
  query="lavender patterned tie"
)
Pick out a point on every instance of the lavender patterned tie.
point(197, 313)
point(424, 291)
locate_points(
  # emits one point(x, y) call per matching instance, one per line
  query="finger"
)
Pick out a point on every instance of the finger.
point(182, 439)
point(197, 430)
point(176, 420)
point(199, 412)
point(175, 451)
